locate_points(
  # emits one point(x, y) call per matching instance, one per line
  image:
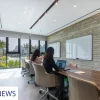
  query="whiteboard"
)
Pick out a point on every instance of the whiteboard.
point(79, 48)
point(56, 47)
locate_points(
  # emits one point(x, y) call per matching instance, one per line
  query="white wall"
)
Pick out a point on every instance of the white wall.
point(4, 33)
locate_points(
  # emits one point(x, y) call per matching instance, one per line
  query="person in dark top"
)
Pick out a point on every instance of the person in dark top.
point(49, 62)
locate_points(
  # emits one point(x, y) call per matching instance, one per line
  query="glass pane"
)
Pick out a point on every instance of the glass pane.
point(42, 46)
point(34, 45)
point(13, 61)
point(24, 49)
point(13, 45)
point(2, 52)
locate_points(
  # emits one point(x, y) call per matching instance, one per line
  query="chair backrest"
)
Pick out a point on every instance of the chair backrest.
point(72, 65)
point(23, 63)
point(31, 70)
point(44, 79)
point(82, 90)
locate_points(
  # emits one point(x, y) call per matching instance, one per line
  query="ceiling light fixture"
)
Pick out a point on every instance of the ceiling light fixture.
point(54, 20)
point(45, 13)
point(24, 12)
point(56, 2)
point(75, 6)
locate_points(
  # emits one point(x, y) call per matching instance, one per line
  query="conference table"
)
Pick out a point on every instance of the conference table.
point(86, 74)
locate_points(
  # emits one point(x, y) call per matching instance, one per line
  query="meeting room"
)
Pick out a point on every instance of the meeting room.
point(49, 49)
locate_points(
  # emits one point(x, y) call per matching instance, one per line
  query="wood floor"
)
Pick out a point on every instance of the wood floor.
point(13, 77)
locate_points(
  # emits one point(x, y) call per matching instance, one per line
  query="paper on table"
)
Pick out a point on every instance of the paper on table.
point(79, 72)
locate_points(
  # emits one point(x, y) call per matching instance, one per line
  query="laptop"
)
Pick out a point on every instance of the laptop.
point(61, 64)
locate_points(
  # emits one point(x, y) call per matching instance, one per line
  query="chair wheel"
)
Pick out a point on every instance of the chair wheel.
point(35, 84)
point(48, 96)
point(40, 92)
point(28, 82)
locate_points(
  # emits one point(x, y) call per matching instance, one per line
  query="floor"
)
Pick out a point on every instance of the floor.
point(13, 77)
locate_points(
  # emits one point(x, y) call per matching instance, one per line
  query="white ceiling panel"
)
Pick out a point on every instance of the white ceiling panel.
point(65, 12)
point(19, 15)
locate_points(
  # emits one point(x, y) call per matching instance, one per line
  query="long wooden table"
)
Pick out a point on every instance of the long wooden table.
point(88, 75)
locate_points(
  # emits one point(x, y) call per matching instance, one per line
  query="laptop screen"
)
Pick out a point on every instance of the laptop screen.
point(61, 63)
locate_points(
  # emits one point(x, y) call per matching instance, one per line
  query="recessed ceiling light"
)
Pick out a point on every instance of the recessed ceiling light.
point(24, 12)
point(45, 13)
point(56, 3)
point(54, 20)
point(75, 6)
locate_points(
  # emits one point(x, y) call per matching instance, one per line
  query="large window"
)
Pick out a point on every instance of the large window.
point(13, 45)
point(13, 61)
point(42, 46)
point(13, 50)
point(24, 48)
point(34, 45)
point(2, 52)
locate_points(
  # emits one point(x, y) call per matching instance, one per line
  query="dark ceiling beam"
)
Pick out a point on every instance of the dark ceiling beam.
point(44, 13)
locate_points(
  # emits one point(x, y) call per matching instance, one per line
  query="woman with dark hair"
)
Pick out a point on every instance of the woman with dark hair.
point(35, 57)
point(49, 62)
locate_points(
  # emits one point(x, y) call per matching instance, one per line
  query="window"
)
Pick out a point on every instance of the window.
point(13, 61)
point(24, 48)
point(42, 46)
point(2, 52)
point(12, 44)
point(34, 45)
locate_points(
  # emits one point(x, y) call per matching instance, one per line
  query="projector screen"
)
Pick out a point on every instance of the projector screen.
point(56, 47)
point(79, 48)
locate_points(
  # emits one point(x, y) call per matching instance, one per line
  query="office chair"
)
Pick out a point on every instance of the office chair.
point(80, 89)
point(25, 68)
point(31, 72)
point(44, 79)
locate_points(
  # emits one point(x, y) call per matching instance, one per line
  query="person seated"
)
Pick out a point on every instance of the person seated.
point(49, 62)
point(35, 57)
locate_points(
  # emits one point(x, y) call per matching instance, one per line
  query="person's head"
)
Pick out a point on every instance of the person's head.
point(49, 53)
point(50, 50)
point(35, 54)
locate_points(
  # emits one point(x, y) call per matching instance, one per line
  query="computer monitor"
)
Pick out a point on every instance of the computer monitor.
point(61, 64)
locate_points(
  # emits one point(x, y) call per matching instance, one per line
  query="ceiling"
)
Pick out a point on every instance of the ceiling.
point(20, 15)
